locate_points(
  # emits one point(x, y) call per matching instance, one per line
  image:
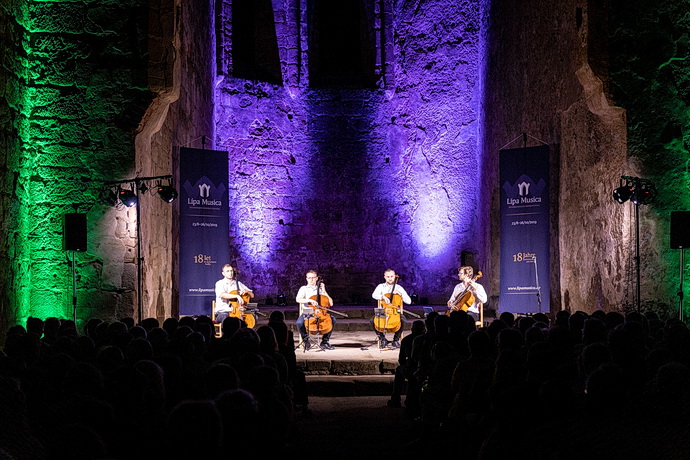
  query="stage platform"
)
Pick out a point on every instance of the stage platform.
point(355, 366)
point(356, 352)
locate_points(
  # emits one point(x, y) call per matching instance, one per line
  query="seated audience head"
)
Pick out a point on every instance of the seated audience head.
point(128, 321)
point(510, 339)
point(221, 377)
point(230, 325)
point(34, 326)
point(562, 318)
point(195, 430)
point(429, 320)
point(170, 325)
point(418, 327)
point(594, 330)
point(276, 315)
point(149, 324)
point(280, 329)
point(186, 321)
point(508, 318)
point(267, 339)
point(480, 344)
point(525, 322)
point(541, 317)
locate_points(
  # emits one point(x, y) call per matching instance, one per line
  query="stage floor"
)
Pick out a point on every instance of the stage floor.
point(354, 353)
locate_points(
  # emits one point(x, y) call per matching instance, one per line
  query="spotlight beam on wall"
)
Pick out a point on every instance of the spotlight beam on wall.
point(115, 194)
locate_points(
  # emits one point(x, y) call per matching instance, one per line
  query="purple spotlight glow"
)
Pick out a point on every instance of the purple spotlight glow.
point(431, 228)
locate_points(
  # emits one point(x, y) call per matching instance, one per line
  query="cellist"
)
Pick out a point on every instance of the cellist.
point(383, 294)
point(224, 295)
point(304, 299)
point(468, 284)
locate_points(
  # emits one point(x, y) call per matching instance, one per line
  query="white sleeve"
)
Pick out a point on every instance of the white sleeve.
point(243, 287)
point(406, 298)
point(219, 288)
point(378, 292)
point(480, 293)
point(301, 293)
point(455, 293)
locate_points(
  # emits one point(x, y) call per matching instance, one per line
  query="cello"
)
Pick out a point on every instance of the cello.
point(321, 322)
point(465, 299)
point(390, 320)
point(237, 310)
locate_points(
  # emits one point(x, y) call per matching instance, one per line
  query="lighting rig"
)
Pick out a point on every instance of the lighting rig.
point(126, 193)
point(639, 191)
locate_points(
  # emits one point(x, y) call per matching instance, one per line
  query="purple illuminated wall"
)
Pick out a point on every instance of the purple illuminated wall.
point(349, 180)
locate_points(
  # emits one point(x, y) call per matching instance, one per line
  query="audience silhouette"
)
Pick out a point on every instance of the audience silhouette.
point(600, 385)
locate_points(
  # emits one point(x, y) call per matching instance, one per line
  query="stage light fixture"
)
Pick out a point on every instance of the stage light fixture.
point(167, 193)
point(637, 190)
point(138, 186)
point(109, 196)
point(128, 197)
point(644, 193)
point(623, 193)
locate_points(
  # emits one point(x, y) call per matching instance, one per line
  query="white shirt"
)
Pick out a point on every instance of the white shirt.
point(385, 288)
point(225, 286)
point(306, 292)
point(479, 295)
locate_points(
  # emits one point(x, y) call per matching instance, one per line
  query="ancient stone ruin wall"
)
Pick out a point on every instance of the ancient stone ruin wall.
point(351, 163)
point(72, 94)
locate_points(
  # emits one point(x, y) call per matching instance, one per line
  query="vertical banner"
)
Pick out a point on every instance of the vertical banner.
point(204, 227)
point(524, 210)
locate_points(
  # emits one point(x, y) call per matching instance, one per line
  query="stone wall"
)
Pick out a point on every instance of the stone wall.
point(540, 81)
point(73, 91)
point(181, 75)
point(350, 178)
point(650, 77)
point(9, 144)
point(566, 73)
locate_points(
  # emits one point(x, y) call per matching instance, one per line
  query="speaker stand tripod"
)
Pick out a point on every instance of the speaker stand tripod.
point(680, 286)
point(74, 286)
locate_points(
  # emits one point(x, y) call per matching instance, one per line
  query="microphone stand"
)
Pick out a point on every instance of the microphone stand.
point(536, 277)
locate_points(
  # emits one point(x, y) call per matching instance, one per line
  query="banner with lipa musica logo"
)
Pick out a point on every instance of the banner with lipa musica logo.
point(204, 227)
point(525, 216)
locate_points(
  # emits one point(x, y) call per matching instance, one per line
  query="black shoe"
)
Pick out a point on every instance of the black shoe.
point(307, 345)
point(396, 344)
point(327, 346)
point(383, 343)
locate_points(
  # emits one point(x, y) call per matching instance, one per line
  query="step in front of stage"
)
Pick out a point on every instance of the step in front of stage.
point(355, 367)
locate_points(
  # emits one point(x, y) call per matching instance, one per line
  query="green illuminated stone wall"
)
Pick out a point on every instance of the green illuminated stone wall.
point(650, 78)
point(72, 91)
